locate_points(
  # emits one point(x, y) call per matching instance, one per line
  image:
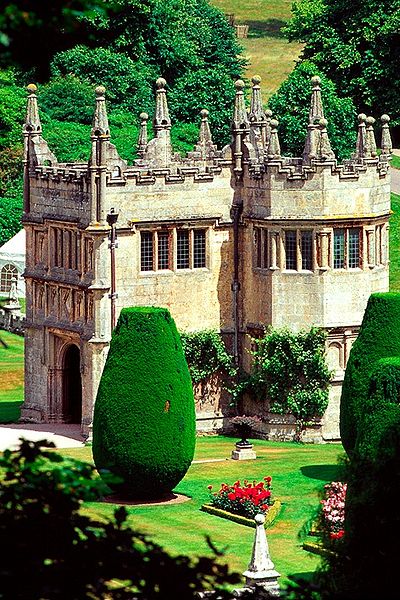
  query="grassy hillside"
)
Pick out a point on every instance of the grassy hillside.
point(268, 52)
point(11, 376)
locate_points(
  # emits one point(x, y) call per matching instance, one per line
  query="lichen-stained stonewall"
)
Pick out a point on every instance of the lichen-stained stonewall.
point(144, 418)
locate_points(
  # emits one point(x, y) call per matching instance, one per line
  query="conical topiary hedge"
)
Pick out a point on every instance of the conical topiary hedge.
point(372, 372)
point(144, 416)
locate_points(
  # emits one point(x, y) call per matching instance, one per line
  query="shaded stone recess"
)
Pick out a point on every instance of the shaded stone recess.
point(230, 239)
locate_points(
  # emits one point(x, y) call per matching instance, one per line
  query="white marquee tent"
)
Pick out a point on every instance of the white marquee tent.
point(12, 264)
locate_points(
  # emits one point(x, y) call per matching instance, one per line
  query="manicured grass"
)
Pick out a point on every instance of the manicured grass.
point(11, 376)
point(298, 474)
point(394, 248)
point(268, 52)
point(395, 162)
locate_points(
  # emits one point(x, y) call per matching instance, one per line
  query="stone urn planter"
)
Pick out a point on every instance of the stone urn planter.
point(244, 426)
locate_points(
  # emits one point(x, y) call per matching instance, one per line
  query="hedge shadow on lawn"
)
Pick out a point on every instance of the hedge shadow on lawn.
point(323, 472)
point(10, 411)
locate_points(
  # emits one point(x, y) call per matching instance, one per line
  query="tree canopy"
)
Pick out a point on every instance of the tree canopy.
point(291, 105)
point(356, 44)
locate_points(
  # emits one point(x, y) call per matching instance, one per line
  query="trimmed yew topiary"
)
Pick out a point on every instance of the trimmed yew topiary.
point(373, 370)
point(144, 416)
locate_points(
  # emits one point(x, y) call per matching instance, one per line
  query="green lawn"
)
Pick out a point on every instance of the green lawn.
point(394, 248)
point(298, 474)
point(11, 376)
point(268, 52)
point(395, 162)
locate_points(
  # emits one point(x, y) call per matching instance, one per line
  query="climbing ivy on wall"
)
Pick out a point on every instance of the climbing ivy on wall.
point(290, 373)
point(206, 354)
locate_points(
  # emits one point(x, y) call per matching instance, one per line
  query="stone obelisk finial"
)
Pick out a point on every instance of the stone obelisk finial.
point(205, 145)
point(268, 117)
point(261, 572)
point(240, 126)
point(100, 125)
point(274, 147)
point(256, 108)
point(158, 151)
point(32, 123)
point(100, 137)
point(161, 118)
point(325, 150)
point(317, 145)
point(257, 118)
point(142, 139)
point(316, 107)
point(36, 150)
point(386, 141)
point(361, 137)
point(370, 142)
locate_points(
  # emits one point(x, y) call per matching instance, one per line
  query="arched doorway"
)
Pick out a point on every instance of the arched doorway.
point(72, 385)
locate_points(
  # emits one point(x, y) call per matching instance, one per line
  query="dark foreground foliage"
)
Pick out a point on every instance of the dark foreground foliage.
point(54, 551)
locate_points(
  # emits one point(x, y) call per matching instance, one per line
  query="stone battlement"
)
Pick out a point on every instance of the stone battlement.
point(254, 152)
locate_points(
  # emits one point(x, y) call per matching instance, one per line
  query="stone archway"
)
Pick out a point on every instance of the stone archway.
point(71, 385)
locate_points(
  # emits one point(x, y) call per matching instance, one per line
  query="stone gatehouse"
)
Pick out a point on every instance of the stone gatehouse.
point(230, 239)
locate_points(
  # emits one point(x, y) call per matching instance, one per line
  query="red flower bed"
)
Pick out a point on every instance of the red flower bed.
point(246, 500)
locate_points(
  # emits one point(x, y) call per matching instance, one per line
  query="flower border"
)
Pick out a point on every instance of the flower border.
point(270, 516)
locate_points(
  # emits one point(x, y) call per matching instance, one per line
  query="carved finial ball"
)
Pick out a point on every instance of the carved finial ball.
point(256, 79)
point(259, 518)
point(100, 90)
point(385, 119)
point(268, 112)
point(274, 123)
point(370, 120)
point(204, 113)
point(323, 122)
point(31, 88)
point(315, 80)
point(239, 84)
point(161, 83)
point(143, 116)
point(362, 118)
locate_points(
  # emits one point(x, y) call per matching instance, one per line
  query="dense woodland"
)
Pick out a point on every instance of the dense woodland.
point(70, 46)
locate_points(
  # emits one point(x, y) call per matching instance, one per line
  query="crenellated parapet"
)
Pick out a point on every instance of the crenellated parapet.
point(255, 151)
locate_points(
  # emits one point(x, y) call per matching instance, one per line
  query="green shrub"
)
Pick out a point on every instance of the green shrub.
point(370, 428)
point(129, 84)
point(70, 142)
point(206, 354)
point(144, 419)
point(12, 109)
point(68, 99)
point(289, 371)
point(70, 554)
point(369, 378)
point(291, 106)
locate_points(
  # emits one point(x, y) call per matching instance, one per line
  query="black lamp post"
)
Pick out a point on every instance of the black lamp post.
point(112, 218)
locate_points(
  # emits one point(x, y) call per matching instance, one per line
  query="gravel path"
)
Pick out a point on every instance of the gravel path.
point(63, 436)
point(395, 179)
